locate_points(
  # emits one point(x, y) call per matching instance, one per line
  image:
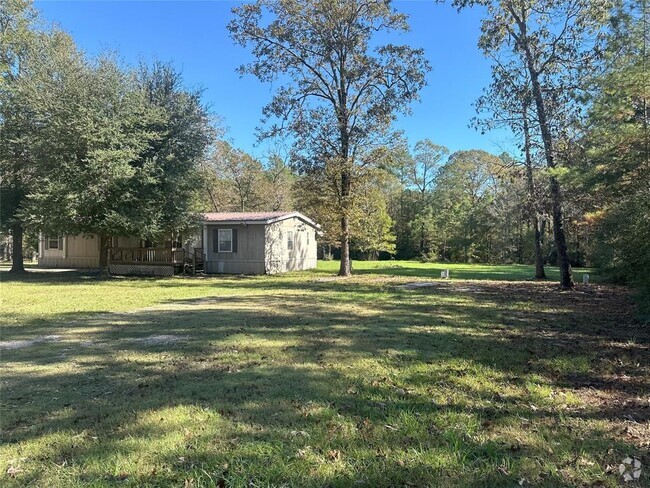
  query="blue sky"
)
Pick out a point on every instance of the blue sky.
point(193, 36)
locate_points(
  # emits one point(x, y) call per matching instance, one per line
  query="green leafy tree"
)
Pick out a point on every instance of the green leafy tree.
point(556, 42)
point(277, 185)
point(25, 45)
point(342, 93)
point(238, 179)
point(238, 182)
point(118, 151)
point(507, 102)
point(371, 223)
point(421, 172)
point(465, 189)
point(617, 173)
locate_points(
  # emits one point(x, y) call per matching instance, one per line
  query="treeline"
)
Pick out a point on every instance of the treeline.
point(568, 80)
point(422, 203)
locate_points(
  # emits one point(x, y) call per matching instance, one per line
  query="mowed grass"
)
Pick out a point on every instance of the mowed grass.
point(505, 272)
point(309, 380)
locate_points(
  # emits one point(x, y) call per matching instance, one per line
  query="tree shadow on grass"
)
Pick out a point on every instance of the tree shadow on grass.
point(418, 388)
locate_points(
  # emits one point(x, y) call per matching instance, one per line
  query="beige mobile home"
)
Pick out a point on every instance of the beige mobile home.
point(258, 242)
point(237, 243)
point(127, 255)
point(78, 251)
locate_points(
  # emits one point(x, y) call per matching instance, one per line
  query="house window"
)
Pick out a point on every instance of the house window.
point(290, 241)
point(224, 238)
point(53, 243)
point(307, 238)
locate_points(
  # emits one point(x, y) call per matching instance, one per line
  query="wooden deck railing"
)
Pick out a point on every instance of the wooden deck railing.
point(153, 255)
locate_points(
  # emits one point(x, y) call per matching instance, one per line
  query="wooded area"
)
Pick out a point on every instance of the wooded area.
point(92, 146)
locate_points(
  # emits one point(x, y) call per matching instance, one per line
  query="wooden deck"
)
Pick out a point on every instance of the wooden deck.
point(153, 255)
point(163, 261)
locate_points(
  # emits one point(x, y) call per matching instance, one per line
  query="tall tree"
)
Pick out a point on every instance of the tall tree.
point(465, 189)
point(277, 185)
point(372, 226)
point(422, 172)
point(557, 42)
point(341, 94)
point(118, 151)
point(507, 102)
point(28, 48)
point(427, 158)
point(239, 177)
point(617, 170)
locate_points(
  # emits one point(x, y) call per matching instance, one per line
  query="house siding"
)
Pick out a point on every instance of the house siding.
point(77, 252)
point(279, 258)
point(261, 249)
point(249, 257)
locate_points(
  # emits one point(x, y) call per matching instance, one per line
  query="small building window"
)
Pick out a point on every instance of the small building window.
point(225, 240)
point(290, 241)
point(307, 238)
point(53, 243)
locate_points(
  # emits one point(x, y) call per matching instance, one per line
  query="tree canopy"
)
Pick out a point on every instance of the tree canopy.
point(339, 94)
point(92, 147)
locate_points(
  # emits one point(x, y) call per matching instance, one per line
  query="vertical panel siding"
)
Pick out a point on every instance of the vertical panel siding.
point(69, 262)
point(82, 247)
point(249, 258)
point(77, 252)
point(279, 258)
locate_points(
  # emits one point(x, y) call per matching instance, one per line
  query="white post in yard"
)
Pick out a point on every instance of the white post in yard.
point(442, 273)
point(585, 279)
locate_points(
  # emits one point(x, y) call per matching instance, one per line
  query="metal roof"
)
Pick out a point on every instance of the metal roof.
point(254, 218)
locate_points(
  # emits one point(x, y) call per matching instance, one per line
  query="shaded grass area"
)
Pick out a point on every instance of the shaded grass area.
point(307, 380)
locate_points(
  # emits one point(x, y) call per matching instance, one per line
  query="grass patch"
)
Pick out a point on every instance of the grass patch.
point(308, 380)
point(500, 272)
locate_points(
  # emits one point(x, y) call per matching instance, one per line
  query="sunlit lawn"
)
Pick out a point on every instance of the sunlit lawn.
point(510, 272)
point(308, 380)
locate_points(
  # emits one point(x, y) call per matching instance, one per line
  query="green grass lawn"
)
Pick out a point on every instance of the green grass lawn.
point(307, 380)
point(509, 272)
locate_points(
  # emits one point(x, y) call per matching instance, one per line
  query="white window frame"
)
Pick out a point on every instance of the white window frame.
point(49, 240)
point(291, 239)
point(219, 241)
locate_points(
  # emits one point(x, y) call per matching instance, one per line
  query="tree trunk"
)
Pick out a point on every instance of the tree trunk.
point(539, 259)
point(523, 42)
point(345, 269)
point(17, 264)
point(422, 239)
point(214, 202)
point(566, 279)
point(104, 244)
point(346, 187)
point(560, 239)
